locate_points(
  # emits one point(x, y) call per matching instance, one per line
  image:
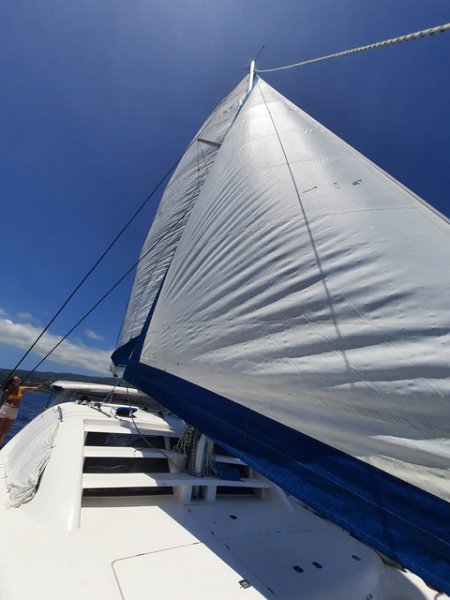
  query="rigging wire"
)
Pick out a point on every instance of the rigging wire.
point(152, 447)
point(397, 40)
point(106, 294)
point(91, 270)
point(184, 215)
point(384, 43)
point(259, 53)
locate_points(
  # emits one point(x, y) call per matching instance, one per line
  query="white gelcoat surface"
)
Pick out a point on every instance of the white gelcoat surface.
point(131, 547)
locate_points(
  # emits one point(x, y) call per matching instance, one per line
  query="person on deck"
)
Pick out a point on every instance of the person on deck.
point(11, 397)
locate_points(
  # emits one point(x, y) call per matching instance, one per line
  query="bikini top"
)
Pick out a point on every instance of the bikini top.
point(14, 397)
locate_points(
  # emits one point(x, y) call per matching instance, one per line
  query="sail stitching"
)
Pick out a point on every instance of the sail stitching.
point(208, 142)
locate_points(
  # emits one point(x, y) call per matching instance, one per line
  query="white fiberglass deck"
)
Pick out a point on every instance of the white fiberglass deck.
point(67, 544)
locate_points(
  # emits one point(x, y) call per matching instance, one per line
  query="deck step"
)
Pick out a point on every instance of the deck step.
point(130, 452)
point(151, 480)
point(128, 428)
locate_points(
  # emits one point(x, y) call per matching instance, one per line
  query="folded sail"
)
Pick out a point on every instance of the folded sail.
point(173, 212)
point(304, 321)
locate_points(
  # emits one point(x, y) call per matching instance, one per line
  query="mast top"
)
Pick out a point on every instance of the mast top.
point(251, 75)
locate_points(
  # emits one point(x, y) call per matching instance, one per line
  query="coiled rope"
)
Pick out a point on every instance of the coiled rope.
point(187, 445)
point(409, 37)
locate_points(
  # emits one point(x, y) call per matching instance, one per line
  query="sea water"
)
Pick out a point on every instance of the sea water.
point(31, 405)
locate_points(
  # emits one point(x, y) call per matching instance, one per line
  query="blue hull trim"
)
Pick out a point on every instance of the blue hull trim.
point(405, 523)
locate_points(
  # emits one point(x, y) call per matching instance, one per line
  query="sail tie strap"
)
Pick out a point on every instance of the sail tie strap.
point(397, 40)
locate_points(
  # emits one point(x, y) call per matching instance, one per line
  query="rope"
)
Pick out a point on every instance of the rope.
point(210, 459)
point(184, 215)
point(104, 254)
point(105, 295)
point(82, 319)
point(111, 393)
point(187, 445)
point(397, 40)
point(185, 440)
point(77, 287)
point(149, 445)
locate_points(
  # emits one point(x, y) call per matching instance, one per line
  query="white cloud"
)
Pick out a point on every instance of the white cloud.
point(22, 335)
point(26, 316)
point(94, 336)
point(3, 313)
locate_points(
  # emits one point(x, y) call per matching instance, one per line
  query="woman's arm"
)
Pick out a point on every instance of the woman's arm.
point(36, 387)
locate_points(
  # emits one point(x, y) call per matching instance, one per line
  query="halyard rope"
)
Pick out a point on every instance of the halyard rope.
point(397, 40)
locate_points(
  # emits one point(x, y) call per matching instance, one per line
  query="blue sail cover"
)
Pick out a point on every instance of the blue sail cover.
point(303, 322)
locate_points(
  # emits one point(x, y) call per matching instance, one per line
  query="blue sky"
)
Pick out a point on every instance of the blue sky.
point(99, 97)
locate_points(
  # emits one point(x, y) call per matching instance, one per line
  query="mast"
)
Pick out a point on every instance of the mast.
point(251, 75)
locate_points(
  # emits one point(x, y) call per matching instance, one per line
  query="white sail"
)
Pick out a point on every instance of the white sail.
point(304, 321)
point(174, 210)
point(313, 288)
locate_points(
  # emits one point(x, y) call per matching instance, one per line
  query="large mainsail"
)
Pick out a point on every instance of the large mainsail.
point(300, 317)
